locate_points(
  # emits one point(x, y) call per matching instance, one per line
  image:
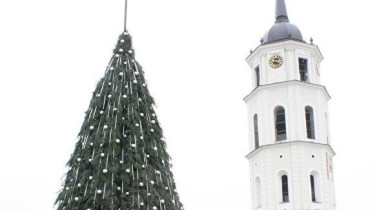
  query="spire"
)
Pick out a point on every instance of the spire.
point(281, 13)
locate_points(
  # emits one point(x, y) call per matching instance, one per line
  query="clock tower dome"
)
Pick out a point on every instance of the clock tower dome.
point(291, 157)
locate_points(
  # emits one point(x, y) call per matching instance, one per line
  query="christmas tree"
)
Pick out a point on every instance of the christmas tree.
point(120, 160)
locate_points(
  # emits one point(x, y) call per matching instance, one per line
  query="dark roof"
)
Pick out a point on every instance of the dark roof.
point(282, 29)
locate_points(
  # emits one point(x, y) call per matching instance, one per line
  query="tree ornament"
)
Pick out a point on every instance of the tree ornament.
point(127, 193)
point(79, 159)
point(105, 126)
point(109, 96)
point(90, 160)
point(121, 162)
point(125, 62)
point(154, 208)
point(117, 55)
point(141, 184)
point(99, 192)
point(153, 115)
point(126, 33)
point(105, 171)
point(91, 144)
point(109, 83)
point(66, 188)
point(136, 73)
point(133, 145)
point(155, 148)
point(121, 50)
point(130, 52)
point(141, 137)
point(91, 127)
point(102, 154)
point(122, 41)
point(79, 185)
point(141, 203)
point(162, 201)
point(101, 145)
point(149, 194)
point(157, 172)
point(127, 170)
point(121, 73)
point(142, 114)
point(101, 112)
point(98, 95)
point(147, 156)
point(111, 68)
point(118, 188)
point(114, 109)
point(153, 121)
point(143, 166)
point(135, 81)
point(152, 130)
point(139, 99)
point(152, 182)
point(90, 177)
point(144, 85)
point(76, 198)
point(124, 96)
point(166, 188)
point(117, 140)
point(136, 124)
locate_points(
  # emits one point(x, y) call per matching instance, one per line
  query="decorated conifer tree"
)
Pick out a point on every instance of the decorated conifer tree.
point(120, 160)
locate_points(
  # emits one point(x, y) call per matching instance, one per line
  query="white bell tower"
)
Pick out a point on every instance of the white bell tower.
point(291, 157)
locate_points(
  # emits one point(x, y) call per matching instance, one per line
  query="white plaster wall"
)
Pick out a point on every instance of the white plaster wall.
point(297, 161)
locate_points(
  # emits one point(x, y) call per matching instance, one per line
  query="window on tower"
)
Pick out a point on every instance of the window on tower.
point(256, 133)
point(280, 124)
point(312, 183)
point(284, 188)
point(257, 75)
point(310, 128)
point(258, 193)
point(303, 69)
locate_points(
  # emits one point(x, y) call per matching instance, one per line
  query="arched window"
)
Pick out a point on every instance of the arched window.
point(256, 133)
point(258, 195)
point(309, 115)
point(257, 75)
point(280, 124)
point(284, 188)
point(312, 183)
point(315, 186)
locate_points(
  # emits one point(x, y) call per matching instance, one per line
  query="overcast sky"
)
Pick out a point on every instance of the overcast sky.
point(52, 54)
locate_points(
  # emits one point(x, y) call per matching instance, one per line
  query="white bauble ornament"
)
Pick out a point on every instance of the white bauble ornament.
point(121, 73)
point(153, 121)
point(90, 177)
point(144, 85)
point(166, 188)
point(135, 81)
point(143, 166)
point(155, 148)
point(154, 208)
point(79, 185)
point(147, 156)
point(125, 62)
point(109, 83)
point(136, 124)
point(149, 194)
point(152, 182)
point(141, 203)
point(141, 184)
point(101, 112)
point(109, 96)
point(117, 140)
point(99, 191)
point(127, 170)
point(127, 193)
point(76, 198)
point(67, 188)
point(118, 188)
point(124, 96)
point(97, 95)
point(105, 171)
point(162, 201)
point(102, 154)
point(153, 115)
point(111, 68)
point(121, 162)
point(88, 209)
point(101, 145)
point(117, 55)
point(91, 144)
point(79, 159)
point(141, 137)
point(121, 50)
point(122, 41)
point(157, 172)
point(90, 160)
point(91, 127)
point(130, 52)
point(152, 130)
point(114, 109)
point(133, 145)
point(142, 114)
point(105, 126)
point(136, 73)
point(126, 33)
point(139, 99)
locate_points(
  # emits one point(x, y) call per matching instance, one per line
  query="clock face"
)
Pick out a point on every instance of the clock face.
point(276, 61)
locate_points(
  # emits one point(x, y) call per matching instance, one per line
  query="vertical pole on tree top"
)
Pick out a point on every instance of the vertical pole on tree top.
point(126, 11)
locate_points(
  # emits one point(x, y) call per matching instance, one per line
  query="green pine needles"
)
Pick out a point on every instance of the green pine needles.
point(120, 160)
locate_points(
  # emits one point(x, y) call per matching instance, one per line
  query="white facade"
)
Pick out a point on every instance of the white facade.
point(290, 169)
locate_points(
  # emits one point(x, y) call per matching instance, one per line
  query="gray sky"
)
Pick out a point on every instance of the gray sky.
point(193, 52)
